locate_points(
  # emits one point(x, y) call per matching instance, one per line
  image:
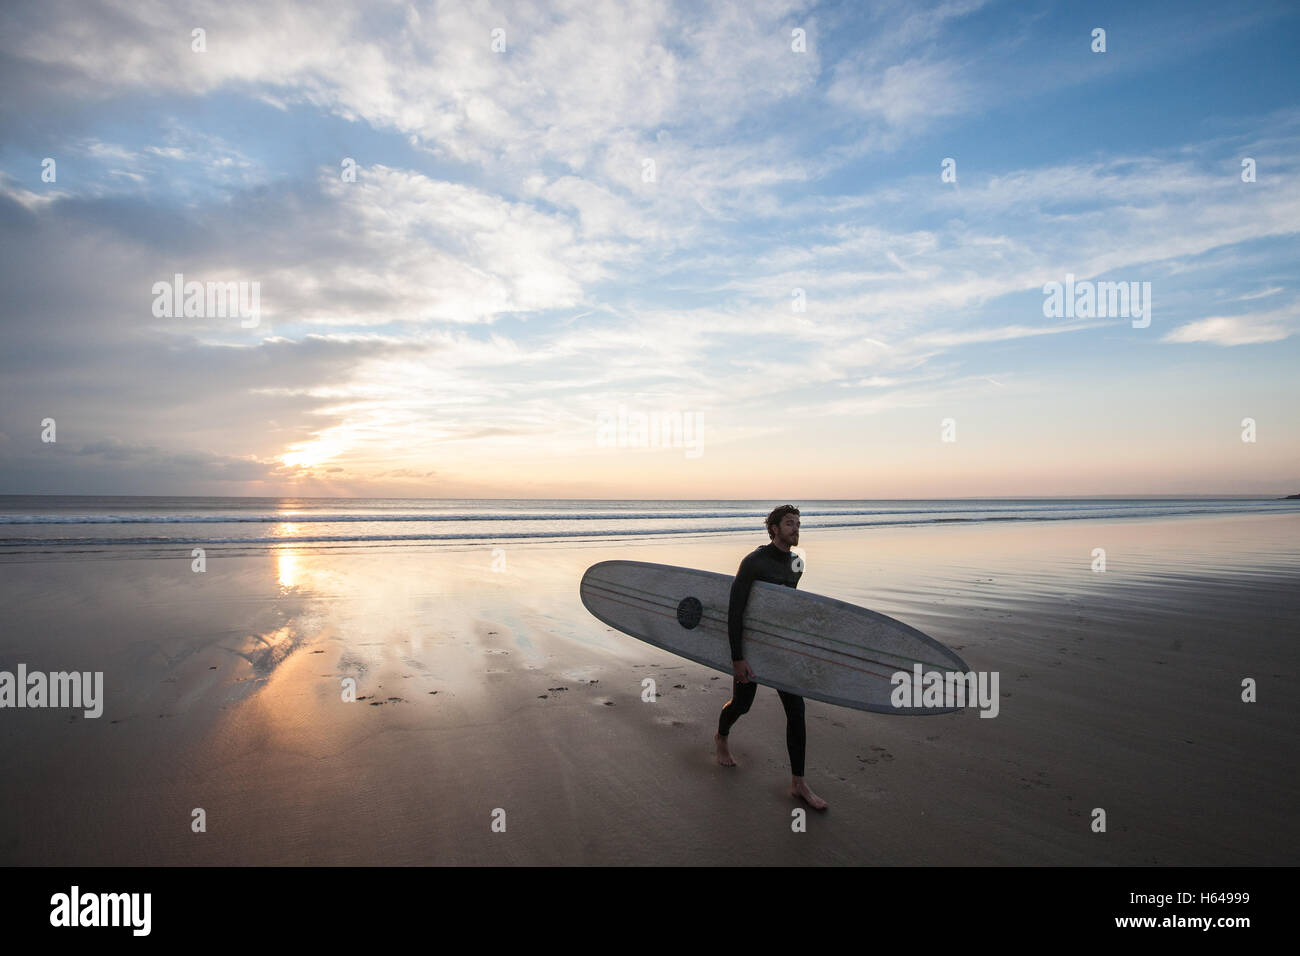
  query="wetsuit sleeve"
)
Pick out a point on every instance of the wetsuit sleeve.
point(736, 609)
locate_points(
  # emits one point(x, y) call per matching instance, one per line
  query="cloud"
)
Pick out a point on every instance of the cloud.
point(1238, 329)
point(570, 76)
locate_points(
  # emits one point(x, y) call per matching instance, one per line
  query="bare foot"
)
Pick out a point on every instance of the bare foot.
point(724, 755)
point(800, 789)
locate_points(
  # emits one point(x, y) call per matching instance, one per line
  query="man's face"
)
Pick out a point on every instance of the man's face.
point(787, 532)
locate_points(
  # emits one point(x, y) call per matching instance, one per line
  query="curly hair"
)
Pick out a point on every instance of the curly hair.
point(777, 514)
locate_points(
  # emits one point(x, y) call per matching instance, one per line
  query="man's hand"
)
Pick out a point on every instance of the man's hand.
point(742, 671)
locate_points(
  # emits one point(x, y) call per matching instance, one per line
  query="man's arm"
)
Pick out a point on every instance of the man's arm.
point(736, 609)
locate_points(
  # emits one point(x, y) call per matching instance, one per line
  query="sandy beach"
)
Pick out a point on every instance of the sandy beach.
point(484, 685)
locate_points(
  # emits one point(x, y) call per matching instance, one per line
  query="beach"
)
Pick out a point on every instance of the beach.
point(487, 694)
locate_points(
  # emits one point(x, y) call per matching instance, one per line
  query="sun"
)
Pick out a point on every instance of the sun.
point(312, 453)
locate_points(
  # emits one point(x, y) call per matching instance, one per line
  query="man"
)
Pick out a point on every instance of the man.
point(769, 562)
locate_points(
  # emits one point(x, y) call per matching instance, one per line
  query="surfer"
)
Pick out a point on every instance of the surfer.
point(770, 562)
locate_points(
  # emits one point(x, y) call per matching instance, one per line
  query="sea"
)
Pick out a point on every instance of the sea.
point(32, 525)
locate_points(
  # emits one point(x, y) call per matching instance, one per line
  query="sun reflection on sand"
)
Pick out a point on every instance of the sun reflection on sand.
point(288, 565)
point(288, 568)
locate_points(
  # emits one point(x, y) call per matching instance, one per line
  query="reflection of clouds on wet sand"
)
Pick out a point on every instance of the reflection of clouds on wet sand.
point(264, 651)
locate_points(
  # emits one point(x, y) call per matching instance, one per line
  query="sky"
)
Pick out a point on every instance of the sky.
point(649, 249)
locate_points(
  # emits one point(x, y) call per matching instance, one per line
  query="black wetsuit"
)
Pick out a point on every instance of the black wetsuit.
point(766, 563)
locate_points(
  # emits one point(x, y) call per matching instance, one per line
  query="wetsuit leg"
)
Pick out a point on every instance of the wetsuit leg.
point(796, 735)
point(742, 695)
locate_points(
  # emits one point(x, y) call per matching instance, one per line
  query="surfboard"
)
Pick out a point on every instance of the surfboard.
point(796, 641)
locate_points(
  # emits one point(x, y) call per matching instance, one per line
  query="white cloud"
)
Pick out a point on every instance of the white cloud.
point(1238, 329)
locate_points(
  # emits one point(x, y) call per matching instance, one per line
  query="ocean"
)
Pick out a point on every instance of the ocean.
point(32, 525)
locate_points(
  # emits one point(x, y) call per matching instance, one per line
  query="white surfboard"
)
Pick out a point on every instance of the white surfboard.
point(806, 644)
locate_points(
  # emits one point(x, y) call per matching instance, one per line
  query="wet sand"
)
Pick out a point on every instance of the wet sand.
point(489, 689)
